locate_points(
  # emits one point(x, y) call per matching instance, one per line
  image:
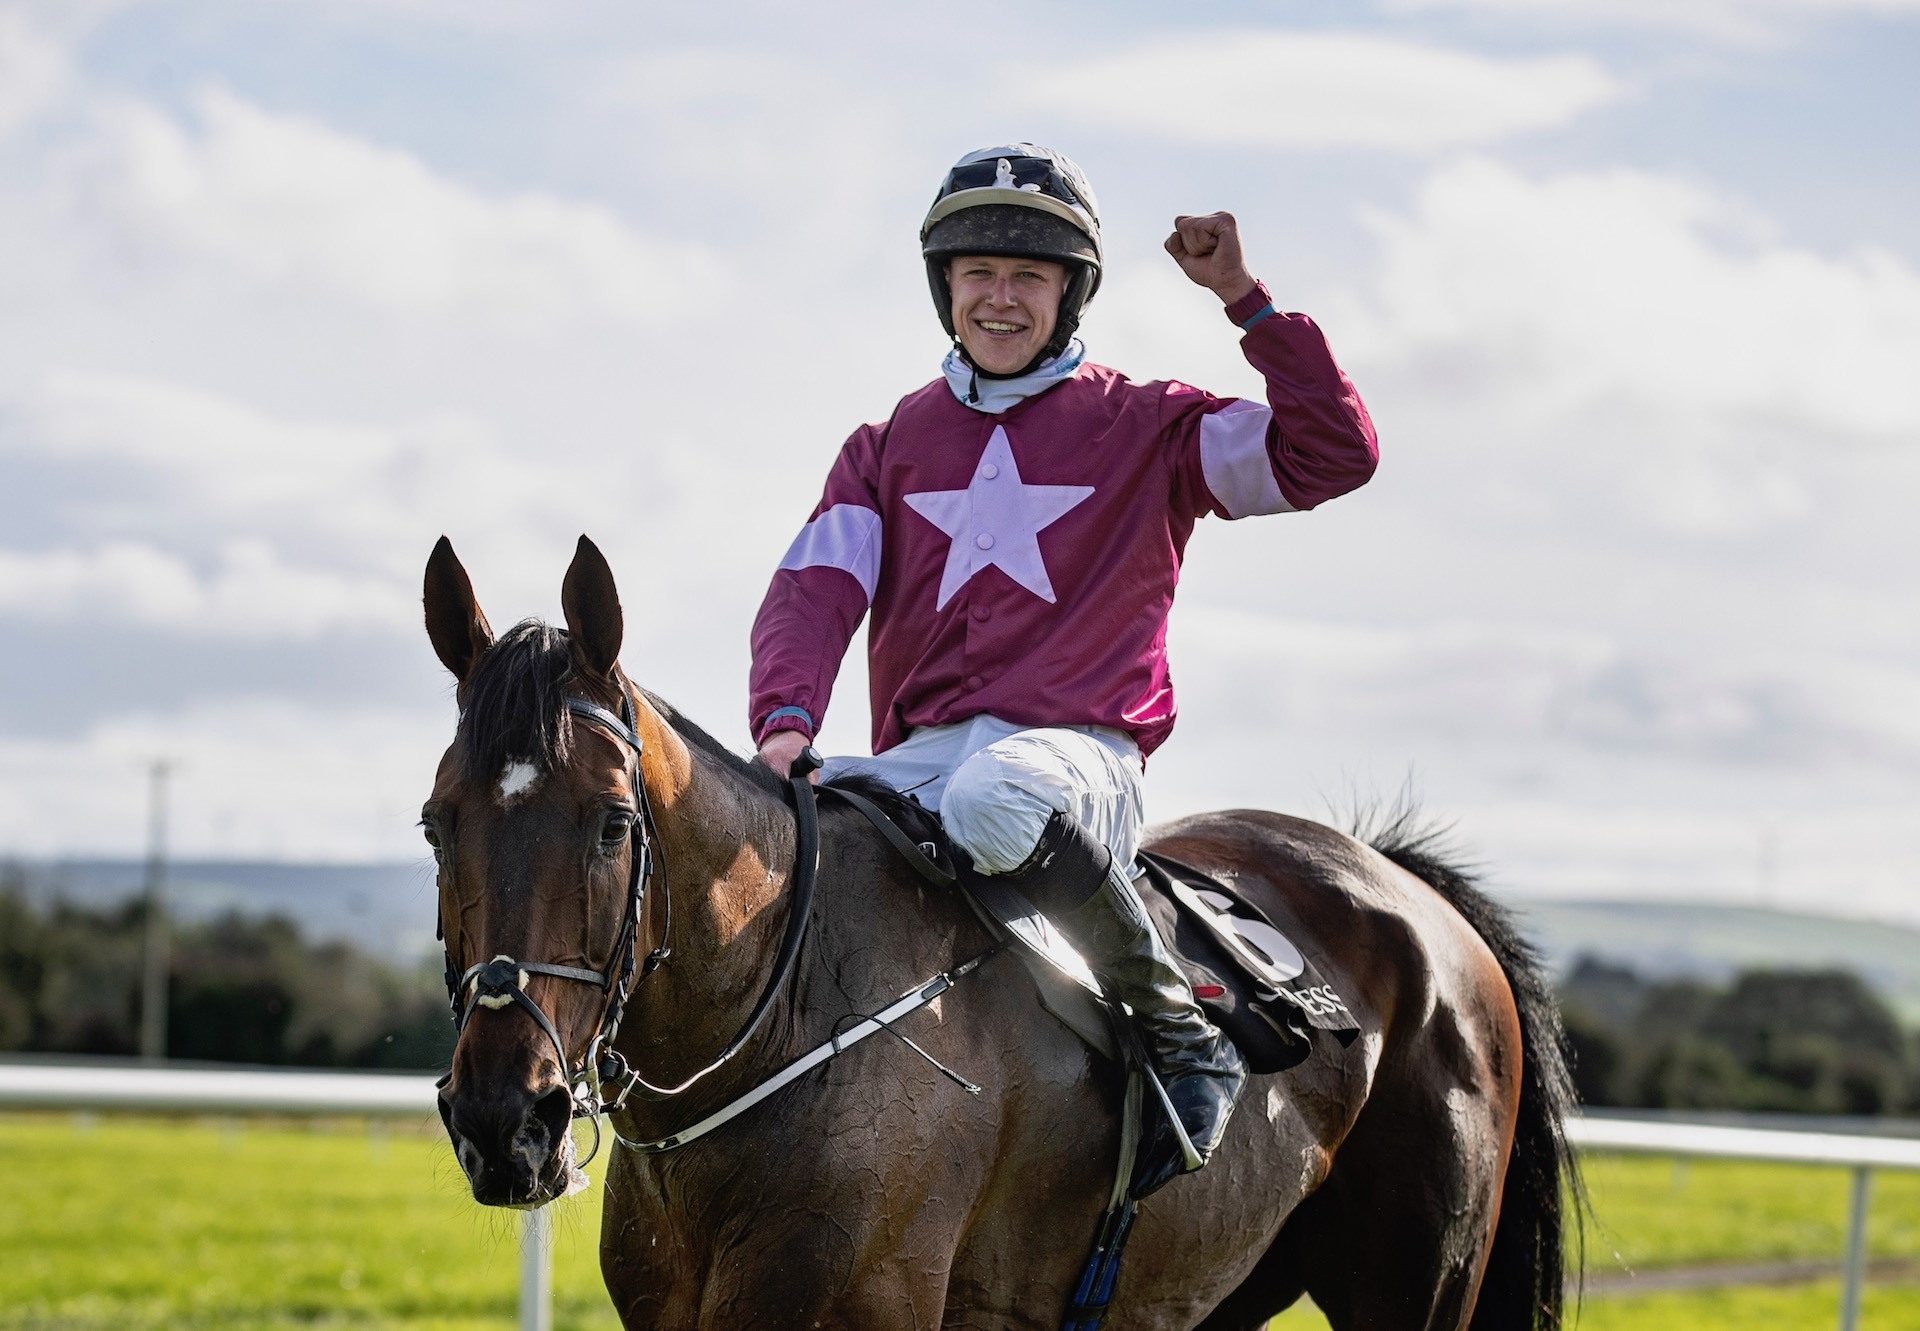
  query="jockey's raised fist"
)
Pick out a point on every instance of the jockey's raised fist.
point(1208, 252)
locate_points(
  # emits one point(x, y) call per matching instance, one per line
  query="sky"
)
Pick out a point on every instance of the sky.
point(1632, 290)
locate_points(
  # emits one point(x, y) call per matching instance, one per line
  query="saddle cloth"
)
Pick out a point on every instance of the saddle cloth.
point(1255, 983)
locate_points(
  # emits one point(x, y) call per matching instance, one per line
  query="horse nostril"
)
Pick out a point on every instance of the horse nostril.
point(548, 1118)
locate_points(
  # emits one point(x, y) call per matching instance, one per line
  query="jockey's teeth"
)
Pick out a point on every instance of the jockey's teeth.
point(999, 328)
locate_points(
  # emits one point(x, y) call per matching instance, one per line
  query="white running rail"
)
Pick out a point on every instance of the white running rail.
point(171, 1090)
point(1860, 1154)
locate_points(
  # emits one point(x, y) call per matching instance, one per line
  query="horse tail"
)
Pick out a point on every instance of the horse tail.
point(1525, 1284)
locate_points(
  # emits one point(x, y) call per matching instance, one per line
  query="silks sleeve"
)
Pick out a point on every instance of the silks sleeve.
point(1311, 441)
point(818, 596)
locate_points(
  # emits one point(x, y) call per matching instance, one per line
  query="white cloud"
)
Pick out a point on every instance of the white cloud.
point(192, 470)
point(1656, 343)
point(1507, 689)
point(1626, 281)
point(291, 202)
point(252, 594)
point(1574, 763)
point(241, 454)
point(255, 777)
point(1743, 21)
point(1640, 569)
point(1319, 90)
point(33, 72)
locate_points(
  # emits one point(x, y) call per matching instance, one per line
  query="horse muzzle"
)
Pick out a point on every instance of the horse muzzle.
point(512, 1143)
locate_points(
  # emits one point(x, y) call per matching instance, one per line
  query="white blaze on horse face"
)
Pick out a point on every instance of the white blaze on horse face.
point(517, 780)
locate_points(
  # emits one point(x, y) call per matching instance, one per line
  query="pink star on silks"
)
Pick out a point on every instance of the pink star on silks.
point(996, 520)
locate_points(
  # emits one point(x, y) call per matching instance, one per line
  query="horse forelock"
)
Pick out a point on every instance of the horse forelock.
point(515, 709)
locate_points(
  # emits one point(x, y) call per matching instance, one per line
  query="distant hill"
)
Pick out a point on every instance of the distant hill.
point(385, 909)
point(1670, 939)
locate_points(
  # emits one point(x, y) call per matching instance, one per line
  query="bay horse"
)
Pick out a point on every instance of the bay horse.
point(1413, 1179)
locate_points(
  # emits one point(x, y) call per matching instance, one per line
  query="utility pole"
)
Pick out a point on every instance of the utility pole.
point(153, 982)
point(1769, 867)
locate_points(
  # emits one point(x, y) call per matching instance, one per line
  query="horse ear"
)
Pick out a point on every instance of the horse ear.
point(460, 633)
point(592, 606)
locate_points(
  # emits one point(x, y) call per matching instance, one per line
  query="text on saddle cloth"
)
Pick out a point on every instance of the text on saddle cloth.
point(1253, 980)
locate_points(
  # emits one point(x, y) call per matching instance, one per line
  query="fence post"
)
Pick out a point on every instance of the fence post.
point(1856, 1250)
point(536, 1270)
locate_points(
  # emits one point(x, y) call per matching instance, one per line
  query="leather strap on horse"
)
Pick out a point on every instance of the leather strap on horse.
point(923, 864)
point(806, 870)
point(911, 1001)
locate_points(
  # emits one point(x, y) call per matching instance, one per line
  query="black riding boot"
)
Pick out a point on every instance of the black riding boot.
point(1071, 878)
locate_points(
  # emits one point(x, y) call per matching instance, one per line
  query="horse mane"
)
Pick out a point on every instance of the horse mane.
point(909, 813)
point(1527, 1272)
point(753, 773)
point(516, 711)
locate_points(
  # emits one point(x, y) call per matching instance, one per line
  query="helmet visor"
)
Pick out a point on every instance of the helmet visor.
point(1036, 183)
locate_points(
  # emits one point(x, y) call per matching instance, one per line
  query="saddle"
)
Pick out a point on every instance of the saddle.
point(1254, 982)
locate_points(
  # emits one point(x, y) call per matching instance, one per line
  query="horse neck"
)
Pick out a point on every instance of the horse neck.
point(726, 848)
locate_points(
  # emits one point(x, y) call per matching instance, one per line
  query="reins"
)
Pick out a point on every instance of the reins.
point(806, 871)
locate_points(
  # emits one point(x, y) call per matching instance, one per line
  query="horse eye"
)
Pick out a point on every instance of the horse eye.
point(431, 833)
point(616, 828)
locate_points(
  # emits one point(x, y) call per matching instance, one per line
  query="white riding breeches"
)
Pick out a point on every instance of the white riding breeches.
point(996, 784)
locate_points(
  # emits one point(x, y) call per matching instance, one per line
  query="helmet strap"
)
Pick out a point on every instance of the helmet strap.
point(1047, 353)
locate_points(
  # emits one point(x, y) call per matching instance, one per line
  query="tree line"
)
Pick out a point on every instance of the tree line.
point(1780, 1041)
point(241, 989)
point(253, 989)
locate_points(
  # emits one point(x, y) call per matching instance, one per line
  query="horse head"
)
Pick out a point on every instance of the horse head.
point(538, 821)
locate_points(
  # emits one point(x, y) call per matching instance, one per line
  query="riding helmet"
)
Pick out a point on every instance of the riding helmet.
point(1023, 201)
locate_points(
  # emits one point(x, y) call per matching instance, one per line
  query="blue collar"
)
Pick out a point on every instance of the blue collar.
point(998, 395)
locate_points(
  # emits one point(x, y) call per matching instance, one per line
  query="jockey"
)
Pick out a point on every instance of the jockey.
point(1015, 530)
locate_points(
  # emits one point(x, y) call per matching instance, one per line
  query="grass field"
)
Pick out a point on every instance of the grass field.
point(136, 1224)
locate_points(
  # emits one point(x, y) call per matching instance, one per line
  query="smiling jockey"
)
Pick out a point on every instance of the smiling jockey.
point(1016, 530)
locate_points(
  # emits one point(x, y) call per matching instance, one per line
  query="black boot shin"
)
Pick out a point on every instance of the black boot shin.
point(1071, 878)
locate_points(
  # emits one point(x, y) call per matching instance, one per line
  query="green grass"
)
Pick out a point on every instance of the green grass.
point(138, 1224)
point(1812, 1307)
point(1652, 1212)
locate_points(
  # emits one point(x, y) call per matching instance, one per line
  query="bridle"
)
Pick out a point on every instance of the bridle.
point(502, 982)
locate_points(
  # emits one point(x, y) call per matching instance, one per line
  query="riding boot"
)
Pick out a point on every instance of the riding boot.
point(1071, 877)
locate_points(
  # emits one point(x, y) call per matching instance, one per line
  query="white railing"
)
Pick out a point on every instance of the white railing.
point(1860, 1154)
point(173, 1090)
point(164, 1089)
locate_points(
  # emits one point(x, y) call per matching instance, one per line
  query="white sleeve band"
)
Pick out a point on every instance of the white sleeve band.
point(846, 536)
point(1233, 457)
